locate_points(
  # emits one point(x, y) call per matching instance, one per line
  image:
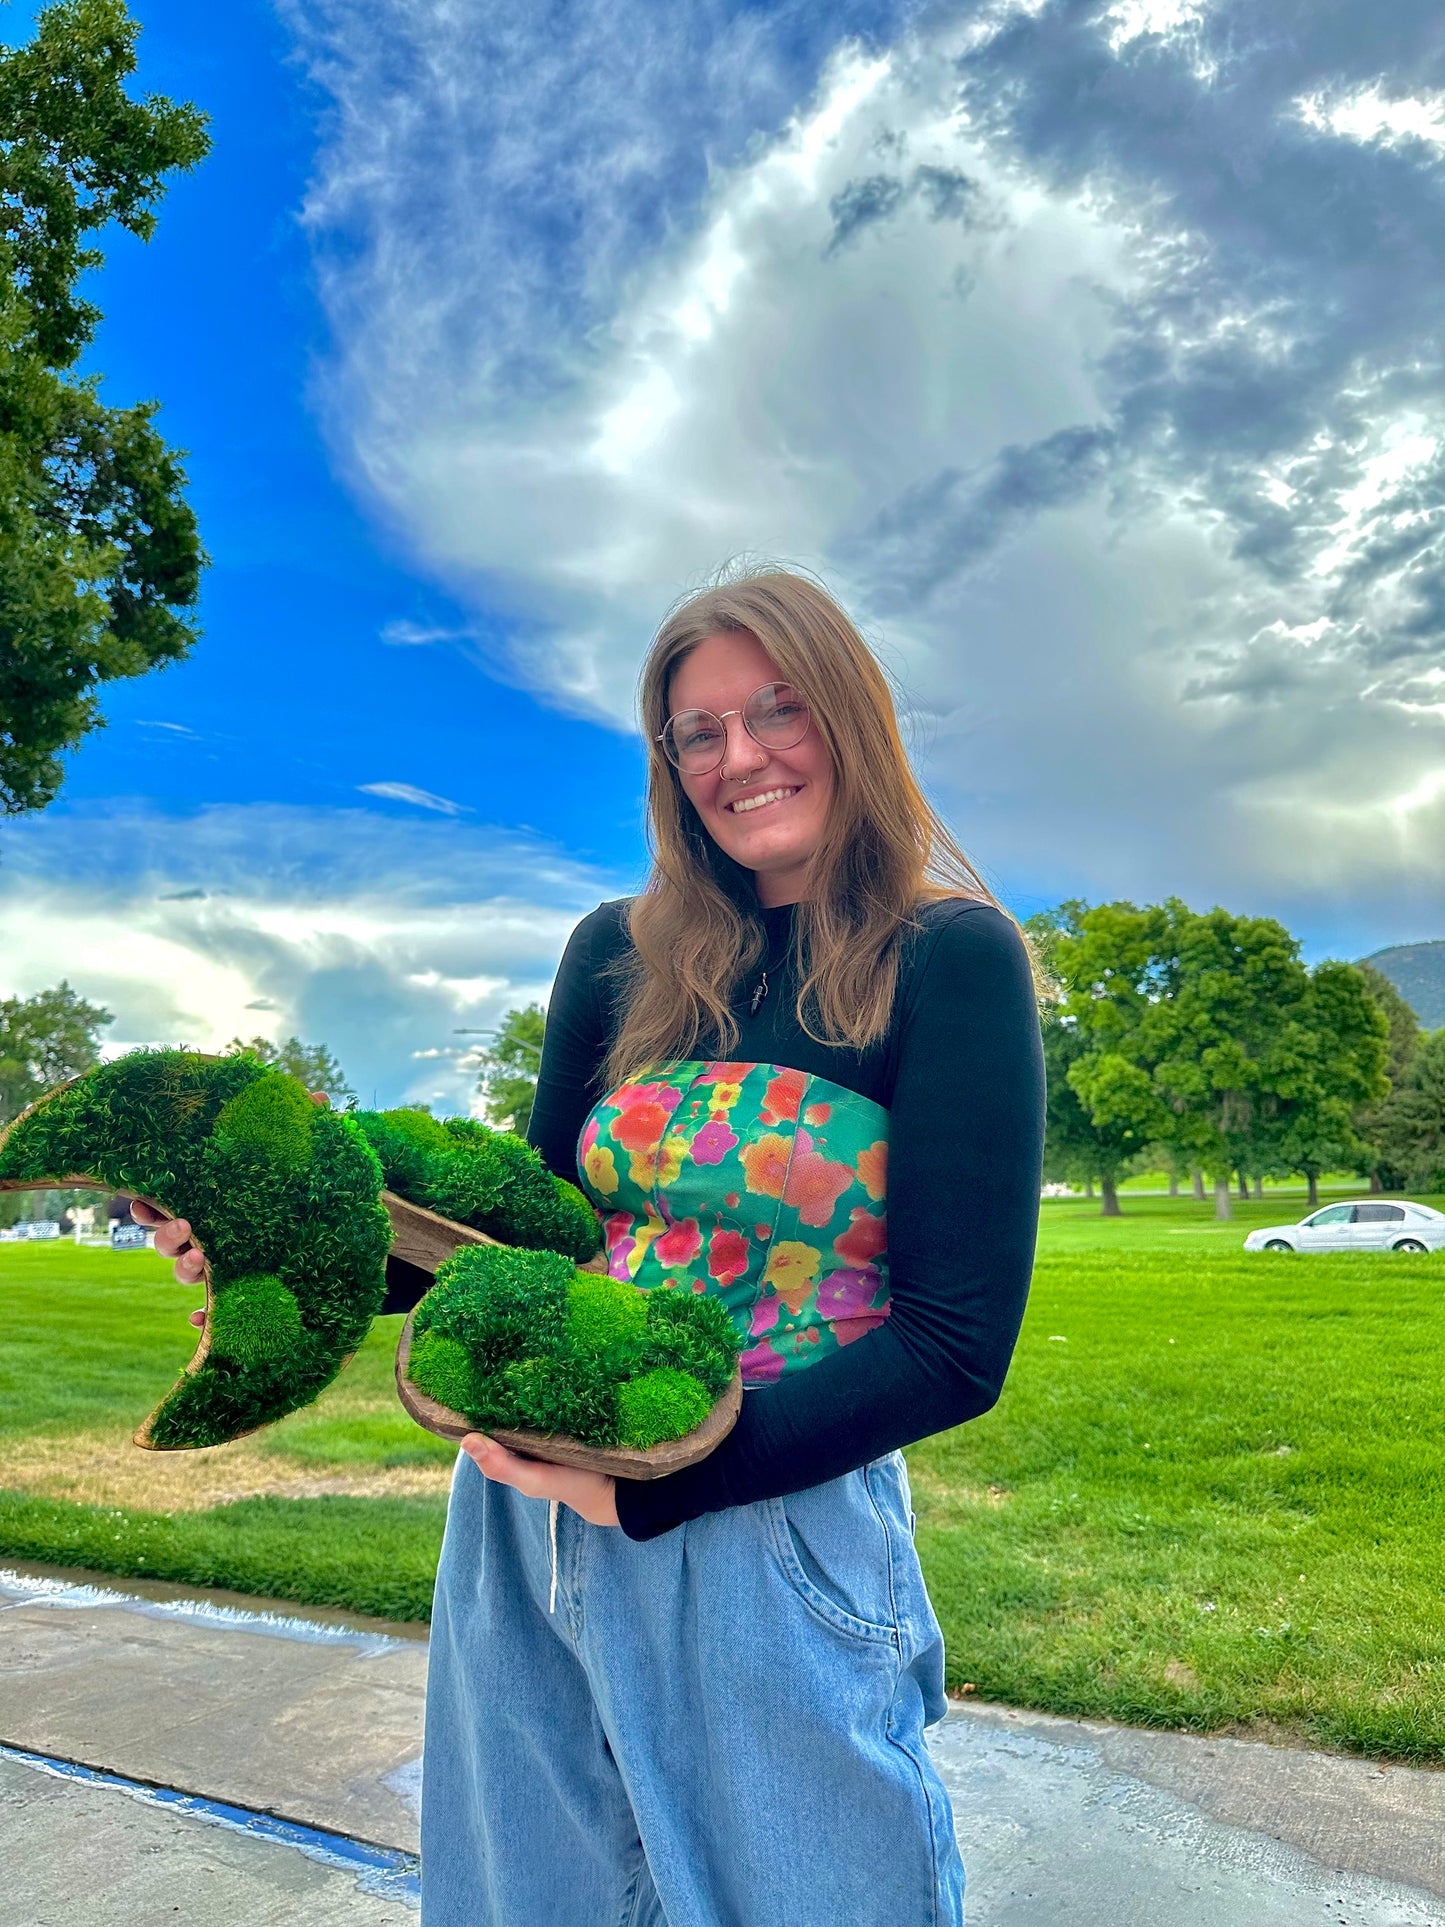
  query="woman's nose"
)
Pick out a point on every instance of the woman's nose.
point(743, 754)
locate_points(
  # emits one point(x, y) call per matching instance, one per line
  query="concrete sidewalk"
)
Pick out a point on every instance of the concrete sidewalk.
point(296, 1743)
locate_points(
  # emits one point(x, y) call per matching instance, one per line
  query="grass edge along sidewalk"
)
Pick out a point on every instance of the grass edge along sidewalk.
point(1208, 1500)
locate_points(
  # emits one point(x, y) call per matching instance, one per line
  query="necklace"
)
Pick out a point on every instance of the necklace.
point(760, 991)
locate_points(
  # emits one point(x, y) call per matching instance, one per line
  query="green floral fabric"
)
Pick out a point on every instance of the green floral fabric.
point(764, 1185)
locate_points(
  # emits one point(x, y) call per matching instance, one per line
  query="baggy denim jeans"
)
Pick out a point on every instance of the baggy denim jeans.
point(719, 1727)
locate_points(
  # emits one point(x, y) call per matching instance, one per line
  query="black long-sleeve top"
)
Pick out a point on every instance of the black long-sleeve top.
point(960, 1070)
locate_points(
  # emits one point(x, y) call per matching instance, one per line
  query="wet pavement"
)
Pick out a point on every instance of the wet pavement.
point(171, 1758)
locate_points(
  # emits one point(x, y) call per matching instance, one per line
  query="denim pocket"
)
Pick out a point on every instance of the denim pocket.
point(832, 1544)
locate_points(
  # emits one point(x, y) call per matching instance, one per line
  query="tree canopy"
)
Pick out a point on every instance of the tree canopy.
point(509, 1067)
point(312, 1063)
point(100, 557)
point(44, 1040)
point(1204, 1038)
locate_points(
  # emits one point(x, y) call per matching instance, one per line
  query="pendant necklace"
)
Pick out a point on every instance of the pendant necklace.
point(760, 991)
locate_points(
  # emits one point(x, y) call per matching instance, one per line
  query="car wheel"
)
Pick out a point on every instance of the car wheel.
point(1409, 1244)
point(1278, 1244)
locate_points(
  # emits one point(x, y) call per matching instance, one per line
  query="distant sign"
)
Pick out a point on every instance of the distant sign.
point(127, 1237)
point(41, 1228)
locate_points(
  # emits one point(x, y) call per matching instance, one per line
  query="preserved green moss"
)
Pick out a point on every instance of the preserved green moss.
point(491, 1180)
point(552, 1349)
point(660, 1405)
point(282, 1196)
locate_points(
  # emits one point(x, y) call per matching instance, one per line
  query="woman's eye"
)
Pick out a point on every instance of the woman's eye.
point(699, 738)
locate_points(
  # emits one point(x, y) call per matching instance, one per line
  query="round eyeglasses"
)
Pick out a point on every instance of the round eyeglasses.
point(695, 740)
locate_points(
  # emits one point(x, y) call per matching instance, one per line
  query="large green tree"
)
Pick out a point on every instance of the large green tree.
point(1404, 1041)
point(1206, 1036)
point(43, 1040)
point(1411, 1121)
point(312, 1063)
point(100, 558)
point(509, 1067)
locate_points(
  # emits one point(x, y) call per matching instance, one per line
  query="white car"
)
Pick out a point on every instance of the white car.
point(1374, 1224)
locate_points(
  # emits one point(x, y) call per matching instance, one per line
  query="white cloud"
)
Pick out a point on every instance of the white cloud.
point(419, 799)
point(383, 940)
point(1137, 542)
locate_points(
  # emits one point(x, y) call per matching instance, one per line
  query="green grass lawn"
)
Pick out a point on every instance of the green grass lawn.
point(1212, 1496)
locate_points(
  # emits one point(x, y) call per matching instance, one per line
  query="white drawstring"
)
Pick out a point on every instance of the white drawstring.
point(552, 1539)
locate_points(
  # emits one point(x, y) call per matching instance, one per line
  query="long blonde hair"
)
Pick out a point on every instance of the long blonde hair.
point(695, 929)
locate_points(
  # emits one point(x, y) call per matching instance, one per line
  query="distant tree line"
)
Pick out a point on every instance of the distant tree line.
point(1200, 1042)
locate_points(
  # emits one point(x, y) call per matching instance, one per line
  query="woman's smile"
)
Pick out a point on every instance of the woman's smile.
point(742, 804)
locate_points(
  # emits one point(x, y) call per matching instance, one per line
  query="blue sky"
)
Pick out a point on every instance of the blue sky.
point(488, 332)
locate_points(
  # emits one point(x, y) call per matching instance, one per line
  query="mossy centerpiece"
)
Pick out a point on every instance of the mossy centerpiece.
point(569, 1366)
point(283, 1198)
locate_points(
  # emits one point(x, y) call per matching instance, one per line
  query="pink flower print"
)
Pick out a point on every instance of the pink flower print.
point(713, 1142)
point(723, 1073)
point(765, 1316)
point(864, 1239)
point(727, 1256)
point(680, 1243)
point(783, 1096)
point(629, 1095)
point(762, 1365)
point(589, 1138)
point(815, 1183)
point(731, 1200)
point(845, 1330)
point(848, 1292)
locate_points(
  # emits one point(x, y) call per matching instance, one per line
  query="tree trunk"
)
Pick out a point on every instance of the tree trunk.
point(1222, 1206)
point(1259, 1188)
point(1375, 1184)
point(1314, 1183)
point(1110, 1206)
point(1174, 1184)
point(1088, 1187)
point(1244, 1187)
point(1198, 1177)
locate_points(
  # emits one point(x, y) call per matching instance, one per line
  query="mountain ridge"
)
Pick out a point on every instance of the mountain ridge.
point(1417, 970)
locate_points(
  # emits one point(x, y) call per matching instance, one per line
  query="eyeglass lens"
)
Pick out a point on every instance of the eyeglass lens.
point(775, 716)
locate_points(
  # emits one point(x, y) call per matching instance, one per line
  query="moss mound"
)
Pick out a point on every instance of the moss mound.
point(488, 1179)
point(282, 1195)
point(521, 1338)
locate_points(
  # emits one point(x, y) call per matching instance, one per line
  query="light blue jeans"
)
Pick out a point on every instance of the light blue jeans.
point(719, 1727)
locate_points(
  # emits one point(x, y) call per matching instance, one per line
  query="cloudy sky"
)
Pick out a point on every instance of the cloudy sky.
point(1090, 351)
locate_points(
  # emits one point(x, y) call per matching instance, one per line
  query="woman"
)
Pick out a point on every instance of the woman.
point(801, 1070)
point(700, 1700)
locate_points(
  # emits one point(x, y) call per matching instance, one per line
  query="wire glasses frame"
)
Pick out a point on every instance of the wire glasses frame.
point(694, 741)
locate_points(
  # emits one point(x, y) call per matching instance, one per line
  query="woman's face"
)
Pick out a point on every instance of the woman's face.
point(775, 839)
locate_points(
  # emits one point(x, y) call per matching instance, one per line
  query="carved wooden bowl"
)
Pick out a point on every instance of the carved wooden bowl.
point(554, 1448)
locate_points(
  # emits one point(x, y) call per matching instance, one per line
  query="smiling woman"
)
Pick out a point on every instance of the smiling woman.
point(784, 1075)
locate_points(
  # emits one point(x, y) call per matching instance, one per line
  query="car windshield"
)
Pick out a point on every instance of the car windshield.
point(1332, 1214)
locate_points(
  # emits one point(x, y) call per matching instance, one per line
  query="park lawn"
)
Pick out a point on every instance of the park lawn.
point(1211, 1496)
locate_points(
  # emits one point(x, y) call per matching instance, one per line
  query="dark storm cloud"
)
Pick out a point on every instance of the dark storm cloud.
point(862, 204)
point(1292, 277)
point(947, 193)
point(938, 528)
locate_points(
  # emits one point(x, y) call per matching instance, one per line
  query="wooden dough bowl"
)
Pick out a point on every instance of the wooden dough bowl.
point(554, 1448)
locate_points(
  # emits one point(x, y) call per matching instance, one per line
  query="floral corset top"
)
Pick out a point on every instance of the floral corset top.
point(763, 1185)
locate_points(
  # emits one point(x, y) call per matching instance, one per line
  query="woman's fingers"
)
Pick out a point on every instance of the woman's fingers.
point(198, 1318)
point(590, 1494)
point(172, 1240)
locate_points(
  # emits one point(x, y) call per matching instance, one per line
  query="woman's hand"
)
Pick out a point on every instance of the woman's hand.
point(173, 1240)
point(590, 1494)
